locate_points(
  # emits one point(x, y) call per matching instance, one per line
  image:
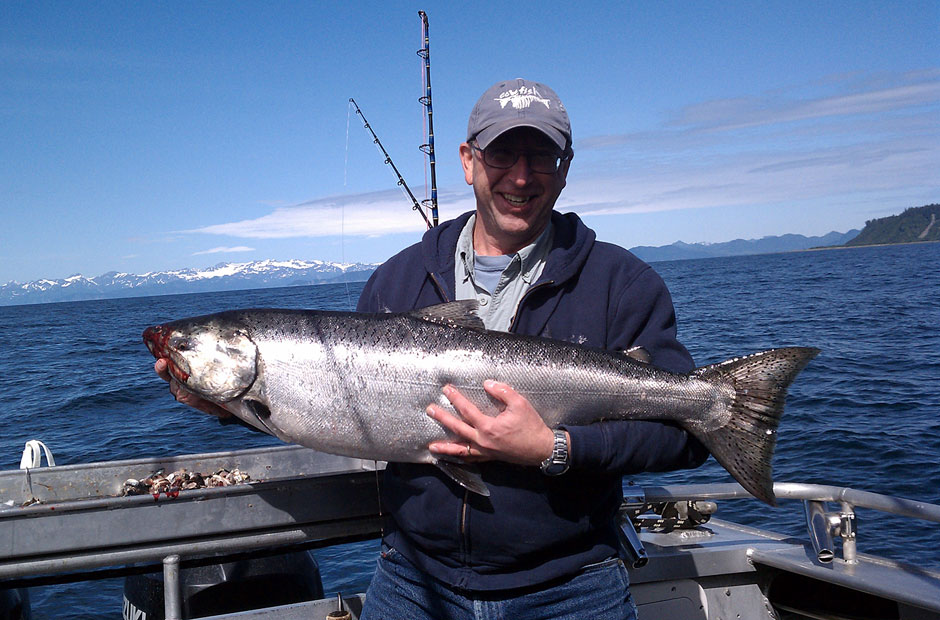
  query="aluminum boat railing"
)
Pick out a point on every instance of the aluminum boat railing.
point(821, 525)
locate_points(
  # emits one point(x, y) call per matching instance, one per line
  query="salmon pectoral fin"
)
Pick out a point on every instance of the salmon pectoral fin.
point(465, 475)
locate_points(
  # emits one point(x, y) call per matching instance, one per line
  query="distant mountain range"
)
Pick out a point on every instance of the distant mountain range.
point(222, 277)
point(916, 224)
point(741, 247)
point(271, 273)
point(913, 225)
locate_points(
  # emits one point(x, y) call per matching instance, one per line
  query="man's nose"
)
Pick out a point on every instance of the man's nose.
point(521, 173)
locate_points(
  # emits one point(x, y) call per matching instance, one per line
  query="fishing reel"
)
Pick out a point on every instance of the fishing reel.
point(664, 517)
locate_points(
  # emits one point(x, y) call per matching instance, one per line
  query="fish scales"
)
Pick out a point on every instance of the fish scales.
point(359, 384)
point(363, 377)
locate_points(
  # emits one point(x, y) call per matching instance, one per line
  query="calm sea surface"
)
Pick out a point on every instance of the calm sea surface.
point(864, 414)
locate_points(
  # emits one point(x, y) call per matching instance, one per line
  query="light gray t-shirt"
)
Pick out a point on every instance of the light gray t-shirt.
point(498, 283)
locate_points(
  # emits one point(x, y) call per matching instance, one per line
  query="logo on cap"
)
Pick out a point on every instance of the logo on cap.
point(521, 98)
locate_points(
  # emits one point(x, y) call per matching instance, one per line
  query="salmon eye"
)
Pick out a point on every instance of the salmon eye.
point(181, 344)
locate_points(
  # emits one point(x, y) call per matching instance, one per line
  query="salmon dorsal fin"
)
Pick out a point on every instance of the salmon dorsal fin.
point(453, 314)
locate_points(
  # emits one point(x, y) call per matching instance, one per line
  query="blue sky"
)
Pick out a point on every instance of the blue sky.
point(147, 136)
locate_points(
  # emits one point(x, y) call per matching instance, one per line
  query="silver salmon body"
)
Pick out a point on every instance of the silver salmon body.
point(358, 384)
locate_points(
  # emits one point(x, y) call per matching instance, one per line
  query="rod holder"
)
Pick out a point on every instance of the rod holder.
point(340, 613)
point(848, 530)
point(822, 526)
point(630, 541)
point(172, 600)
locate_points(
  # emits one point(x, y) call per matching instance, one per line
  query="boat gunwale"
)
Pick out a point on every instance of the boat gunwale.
point(798, 491)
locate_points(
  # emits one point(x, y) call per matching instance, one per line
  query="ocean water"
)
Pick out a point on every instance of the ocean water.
point(864, 414)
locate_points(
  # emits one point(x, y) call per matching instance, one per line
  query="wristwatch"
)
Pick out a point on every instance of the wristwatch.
point(557, 463)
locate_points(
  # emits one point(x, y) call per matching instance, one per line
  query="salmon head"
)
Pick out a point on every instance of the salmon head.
point(210, 356)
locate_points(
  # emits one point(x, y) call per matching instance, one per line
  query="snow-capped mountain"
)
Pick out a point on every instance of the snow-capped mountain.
point(222, 277)
point(270, 273)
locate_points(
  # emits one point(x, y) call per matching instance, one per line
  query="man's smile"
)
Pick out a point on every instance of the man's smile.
point(514, 199)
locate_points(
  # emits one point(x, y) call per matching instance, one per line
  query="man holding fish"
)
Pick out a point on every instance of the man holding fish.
point(518, 518)
point(544, 544)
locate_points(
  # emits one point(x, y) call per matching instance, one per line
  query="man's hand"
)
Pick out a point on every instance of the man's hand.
point(186, 397)
point(517, 435)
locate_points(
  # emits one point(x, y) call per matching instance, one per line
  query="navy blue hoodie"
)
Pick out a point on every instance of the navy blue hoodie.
point(535, 528)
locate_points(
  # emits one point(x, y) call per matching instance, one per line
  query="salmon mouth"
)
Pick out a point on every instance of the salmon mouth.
point(156, 339)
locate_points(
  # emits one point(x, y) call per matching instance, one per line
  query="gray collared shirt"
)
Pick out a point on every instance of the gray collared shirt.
point(498, 303)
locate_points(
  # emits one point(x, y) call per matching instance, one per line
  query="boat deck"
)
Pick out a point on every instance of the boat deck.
point(717, 569)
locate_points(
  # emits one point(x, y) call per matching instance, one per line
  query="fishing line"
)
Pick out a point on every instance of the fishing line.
point(342, 217)
point(346, 158)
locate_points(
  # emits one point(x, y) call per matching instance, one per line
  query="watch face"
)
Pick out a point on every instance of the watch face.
point(557, 463)
point(555, 469)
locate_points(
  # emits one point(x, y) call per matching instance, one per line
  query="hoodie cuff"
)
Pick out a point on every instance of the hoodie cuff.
point(588, 448)
point(633, 446)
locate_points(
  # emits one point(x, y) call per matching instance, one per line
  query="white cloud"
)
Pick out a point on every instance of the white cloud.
point(873, 136)
point(757, 178)
point(831, 106)
point(225, 250)
point(854, 136)
point(779, 107)
point(358, 215)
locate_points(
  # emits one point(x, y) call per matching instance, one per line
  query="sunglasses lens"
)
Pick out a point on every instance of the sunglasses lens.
point(500, 158)
point(545, 163)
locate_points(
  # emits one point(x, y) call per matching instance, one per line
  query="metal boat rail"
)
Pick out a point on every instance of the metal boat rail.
point(81, 522)
point(915, 590)
point(821, 525)
point(82, 528)
point(796, 490)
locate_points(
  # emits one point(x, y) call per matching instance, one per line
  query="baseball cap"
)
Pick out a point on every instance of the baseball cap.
point(519, 103)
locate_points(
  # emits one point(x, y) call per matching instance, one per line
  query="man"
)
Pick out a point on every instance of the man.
point(544, 543)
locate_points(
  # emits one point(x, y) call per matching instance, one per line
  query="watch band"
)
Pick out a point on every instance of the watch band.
point(557, 463)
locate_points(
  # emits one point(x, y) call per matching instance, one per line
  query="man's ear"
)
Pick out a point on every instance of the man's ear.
point(466, 160)
point(563, 169)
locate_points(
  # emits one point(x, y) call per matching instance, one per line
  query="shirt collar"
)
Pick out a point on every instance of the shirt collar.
point(530, 256)
point(536, 252)
point(465, 248)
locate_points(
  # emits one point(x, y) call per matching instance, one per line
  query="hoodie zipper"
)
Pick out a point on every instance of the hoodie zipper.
point(515, 317)
point(464, 535)
point(440, 287)
point(465, 502)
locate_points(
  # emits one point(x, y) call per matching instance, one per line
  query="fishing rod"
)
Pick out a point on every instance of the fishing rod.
point(388, 160)
point(428, 149)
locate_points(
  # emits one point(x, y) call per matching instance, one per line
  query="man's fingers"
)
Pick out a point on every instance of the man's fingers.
point(504, 393)
point(205, 406)
point(451, 422)
point(160, 366)
point(516, 434)
point(462, 450)
point(212, 409)
point(184, 396)
point(462, 447)
point(465, 408)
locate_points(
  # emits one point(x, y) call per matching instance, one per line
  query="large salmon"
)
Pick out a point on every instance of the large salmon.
point(358, 384)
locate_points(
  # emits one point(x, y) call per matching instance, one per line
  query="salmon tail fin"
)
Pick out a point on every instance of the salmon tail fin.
point(745, 444)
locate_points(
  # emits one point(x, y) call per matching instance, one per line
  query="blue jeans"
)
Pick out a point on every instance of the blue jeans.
point(400, 591)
